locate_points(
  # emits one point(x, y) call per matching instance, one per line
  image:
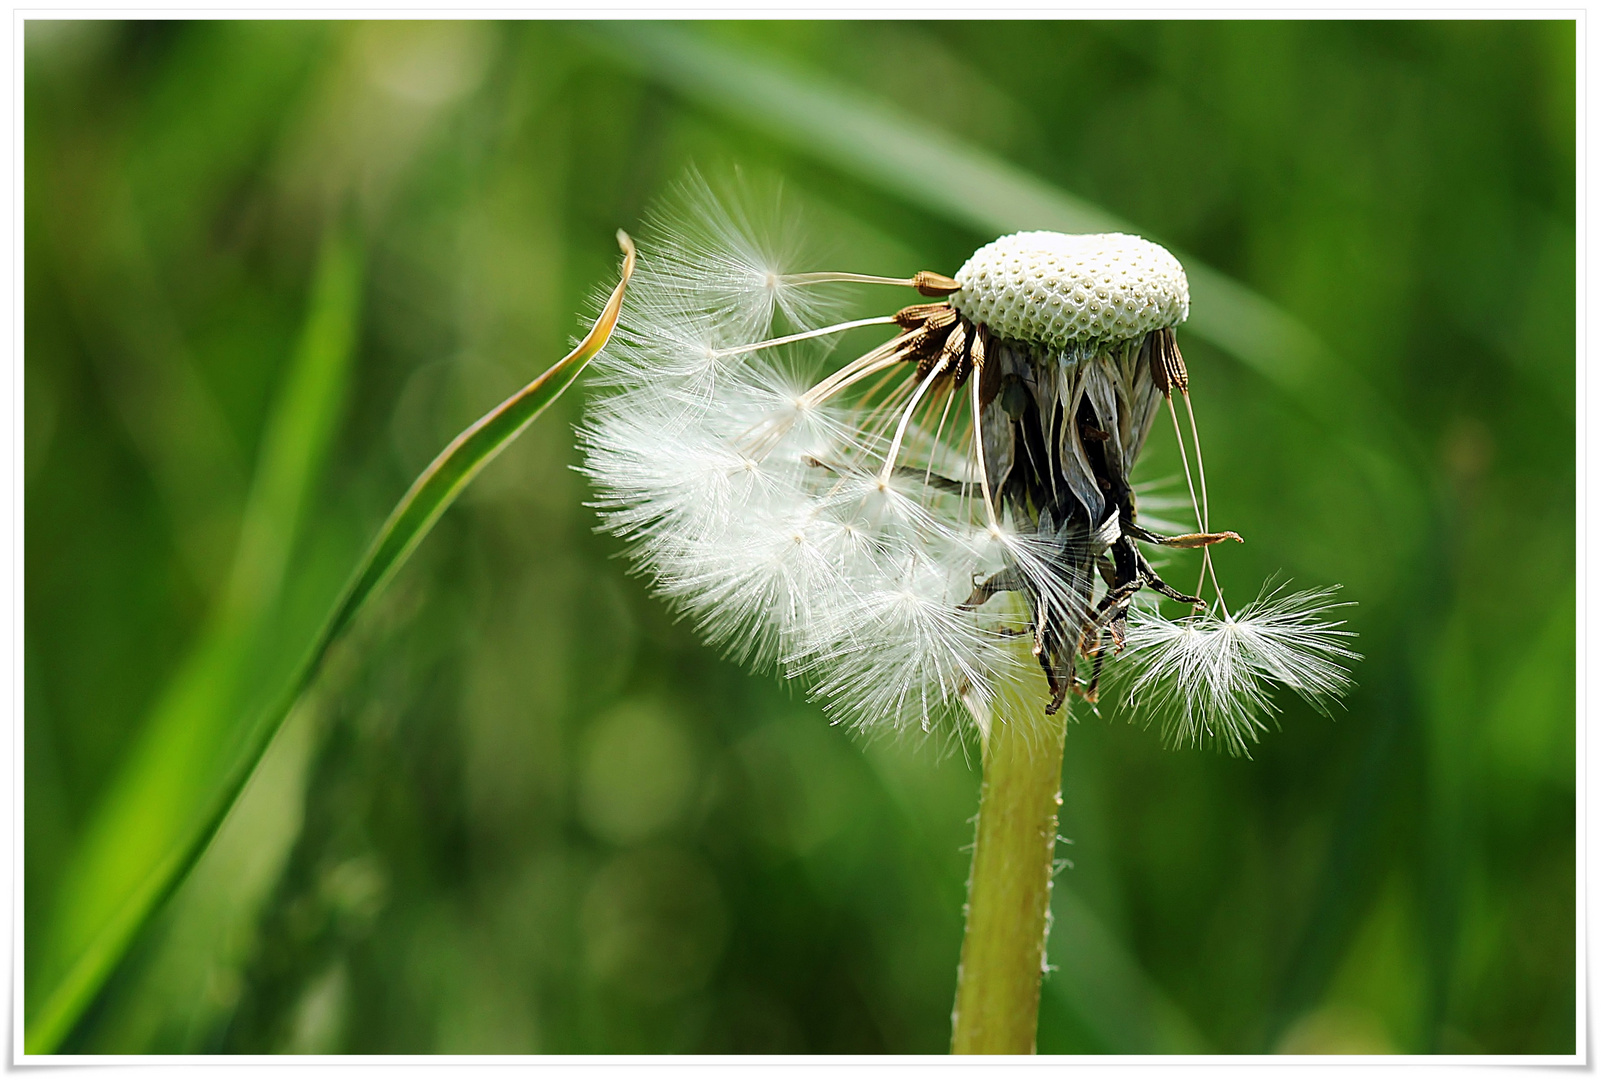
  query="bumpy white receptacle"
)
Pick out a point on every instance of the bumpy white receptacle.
point(1054, 288)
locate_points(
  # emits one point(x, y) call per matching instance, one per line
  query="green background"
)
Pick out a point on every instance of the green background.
point(525, 811)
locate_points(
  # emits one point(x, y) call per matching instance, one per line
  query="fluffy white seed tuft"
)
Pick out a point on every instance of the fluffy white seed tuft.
point(1208, 677)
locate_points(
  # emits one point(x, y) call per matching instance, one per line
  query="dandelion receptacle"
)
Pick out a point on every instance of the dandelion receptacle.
point(941, 534)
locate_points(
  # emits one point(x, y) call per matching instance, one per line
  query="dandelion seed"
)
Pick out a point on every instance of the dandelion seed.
point(910, 528)
point(1207, 677)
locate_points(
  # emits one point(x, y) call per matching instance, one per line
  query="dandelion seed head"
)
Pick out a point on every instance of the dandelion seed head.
point(1054, 288)
point(935, 524)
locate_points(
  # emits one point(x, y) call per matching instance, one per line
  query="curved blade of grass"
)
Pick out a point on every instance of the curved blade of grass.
point(138, 872)
point(457, 464)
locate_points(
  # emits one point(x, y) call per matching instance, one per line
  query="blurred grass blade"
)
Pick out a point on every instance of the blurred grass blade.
point(1098, 979)
point(179, 785)
point(132, 845)
point(962, 183)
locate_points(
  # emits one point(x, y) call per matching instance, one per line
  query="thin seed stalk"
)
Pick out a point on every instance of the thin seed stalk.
point(1009, 888)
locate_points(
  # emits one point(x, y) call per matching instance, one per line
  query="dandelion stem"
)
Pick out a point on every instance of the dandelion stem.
point(1009, 888)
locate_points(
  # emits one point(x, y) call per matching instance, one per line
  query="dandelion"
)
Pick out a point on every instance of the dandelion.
point(889, 530)
point(943, 526)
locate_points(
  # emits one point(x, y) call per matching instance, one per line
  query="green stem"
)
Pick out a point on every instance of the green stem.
point(1009, 889)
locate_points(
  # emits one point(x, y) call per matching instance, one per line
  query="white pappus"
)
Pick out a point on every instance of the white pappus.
point(927, 523)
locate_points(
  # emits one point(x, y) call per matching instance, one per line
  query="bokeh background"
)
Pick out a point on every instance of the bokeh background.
point(524, 810)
